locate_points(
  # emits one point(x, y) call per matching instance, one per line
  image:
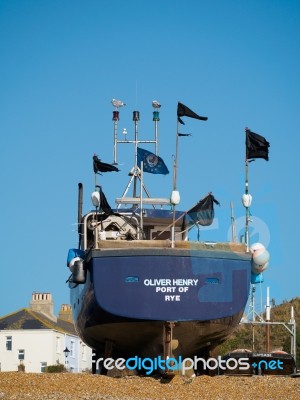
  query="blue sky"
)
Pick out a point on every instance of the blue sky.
point(236, 62)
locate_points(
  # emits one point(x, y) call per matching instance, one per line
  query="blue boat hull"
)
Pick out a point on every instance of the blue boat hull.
point(130, 293)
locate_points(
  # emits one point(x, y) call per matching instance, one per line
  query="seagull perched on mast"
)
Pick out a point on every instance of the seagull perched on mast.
point(156, 104)
point(117, 103)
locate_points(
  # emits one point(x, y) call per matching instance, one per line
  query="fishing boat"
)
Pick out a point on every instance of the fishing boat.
point(138, 285)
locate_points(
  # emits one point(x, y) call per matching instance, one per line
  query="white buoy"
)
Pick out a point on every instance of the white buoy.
point(260, 258)
point(175, 197)
point(246, 200)
point(96, 199)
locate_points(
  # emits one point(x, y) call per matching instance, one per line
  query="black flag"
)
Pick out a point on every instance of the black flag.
point(203, 212)
point(105, 207)
point(99, 166)
point(256, 146)
point(184, 111)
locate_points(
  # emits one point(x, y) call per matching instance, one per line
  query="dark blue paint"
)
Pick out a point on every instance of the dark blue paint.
point(120, 290)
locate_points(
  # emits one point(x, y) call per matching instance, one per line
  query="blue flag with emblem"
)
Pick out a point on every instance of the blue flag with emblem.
point(151, 162)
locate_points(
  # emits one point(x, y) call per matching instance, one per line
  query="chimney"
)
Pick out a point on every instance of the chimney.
point(42, 303)
point(65, 313)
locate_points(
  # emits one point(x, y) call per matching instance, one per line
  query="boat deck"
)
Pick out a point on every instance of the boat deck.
point(213, 246)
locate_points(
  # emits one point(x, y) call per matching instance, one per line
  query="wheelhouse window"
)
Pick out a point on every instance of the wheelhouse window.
point(9, 343)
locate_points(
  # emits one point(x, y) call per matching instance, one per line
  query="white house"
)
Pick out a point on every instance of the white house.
point(35, 338)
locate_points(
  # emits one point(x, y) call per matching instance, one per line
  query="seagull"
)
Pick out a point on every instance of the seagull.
point(117, 103)
point(156, 104)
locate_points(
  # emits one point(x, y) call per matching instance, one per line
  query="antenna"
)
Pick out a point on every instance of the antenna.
point(156, 105)
point(117, 104)
point(136, 93)
point(233, 225)
point(268, 319)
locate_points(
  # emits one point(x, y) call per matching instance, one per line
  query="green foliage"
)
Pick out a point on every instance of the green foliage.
point(287, 346)
point(55, 368)
point(280, 338)
point(21, 368)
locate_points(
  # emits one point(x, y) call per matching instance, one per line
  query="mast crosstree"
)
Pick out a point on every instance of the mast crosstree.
point(136, 173)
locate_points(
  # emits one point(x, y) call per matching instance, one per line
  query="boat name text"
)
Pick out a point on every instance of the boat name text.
point(170, 282)
point(171, 286)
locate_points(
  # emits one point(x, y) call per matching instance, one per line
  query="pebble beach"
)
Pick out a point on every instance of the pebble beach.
point(67, 386)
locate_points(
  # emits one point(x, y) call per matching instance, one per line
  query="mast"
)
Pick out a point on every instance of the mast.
point(175, 198)
point(176, 159)
point(233, 226)
point(256, 147)
point(246, 206)
point(156, 120)
point(135, 172)
point(182, 111)
point(115, 119)
point(247, 199)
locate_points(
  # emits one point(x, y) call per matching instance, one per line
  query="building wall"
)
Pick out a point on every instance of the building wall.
point(80, 357)
point(42, 347)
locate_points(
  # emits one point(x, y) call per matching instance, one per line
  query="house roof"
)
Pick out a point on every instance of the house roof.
point(28, 319)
